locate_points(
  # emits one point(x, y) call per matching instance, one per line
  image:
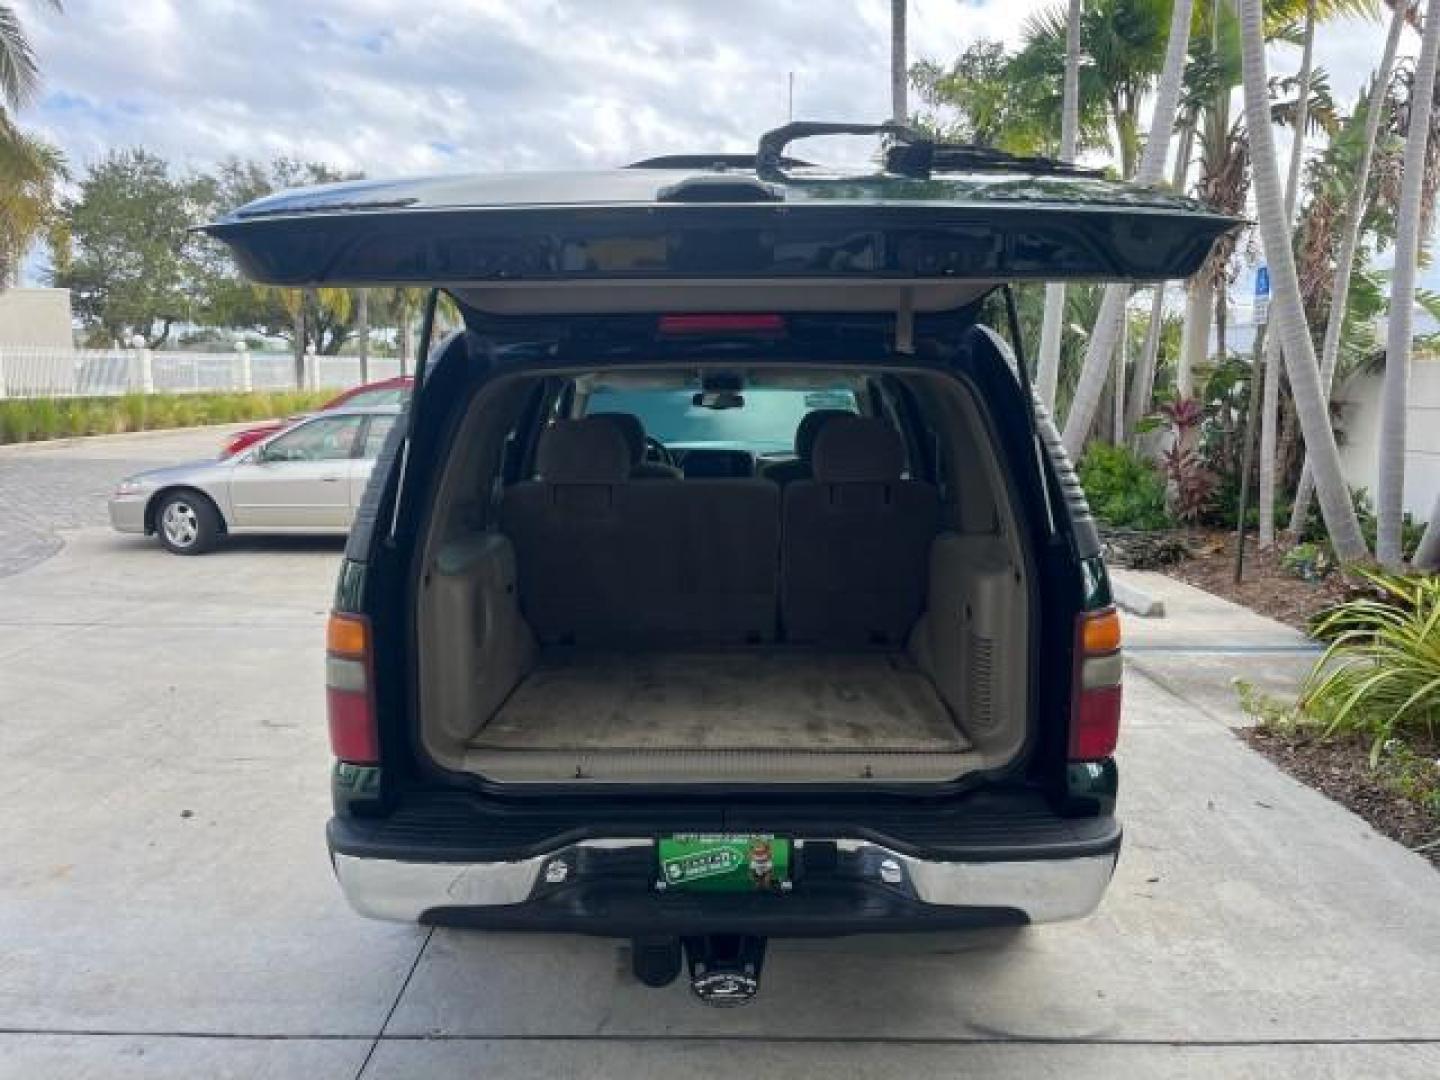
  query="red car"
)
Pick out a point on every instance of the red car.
point(371, 395)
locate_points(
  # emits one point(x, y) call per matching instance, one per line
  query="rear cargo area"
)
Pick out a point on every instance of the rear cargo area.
point(863, 624)
point(675, 713)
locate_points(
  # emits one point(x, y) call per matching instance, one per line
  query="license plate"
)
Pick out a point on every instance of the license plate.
point(724, 862)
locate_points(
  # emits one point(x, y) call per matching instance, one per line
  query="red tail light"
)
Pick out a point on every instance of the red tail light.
point(1095, 713)
point(349, 696)
point(721, 324)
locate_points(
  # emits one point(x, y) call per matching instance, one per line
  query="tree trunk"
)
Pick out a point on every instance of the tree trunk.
point(1390, 479)
point(1270, 414)
point(1350, 241)
point(1287, 313)
point(899, 110)
point(1142, 386)
point(1122, 356)
point(1427, 555)
point(298, 315)
point(1142, 383)
point(362, 333)
point(1152, 166)
point(1053, 324)
point(1222, 316)
point(1194, 334)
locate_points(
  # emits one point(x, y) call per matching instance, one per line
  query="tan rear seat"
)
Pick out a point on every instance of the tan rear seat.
point(607, 561)
point(856, 540)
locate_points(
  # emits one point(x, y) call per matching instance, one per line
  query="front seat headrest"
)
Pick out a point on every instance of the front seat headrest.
point(858, 450)
point(586, 451)
point(809, 429)
point(631, 430)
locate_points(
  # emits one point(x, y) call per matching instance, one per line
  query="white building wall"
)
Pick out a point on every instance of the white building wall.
point(35, 317)
point(1360, 423)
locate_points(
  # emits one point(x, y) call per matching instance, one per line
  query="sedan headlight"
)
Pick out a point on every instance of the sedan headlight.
point(130, 487)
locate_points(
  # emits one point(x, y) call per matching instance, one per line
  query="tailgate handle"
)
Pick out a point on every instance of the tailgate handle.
point(772, 144)
point(720, 189)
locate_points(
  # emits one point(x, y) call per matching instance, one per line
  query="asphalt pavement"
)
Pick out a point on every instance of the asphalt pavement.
point(167, 909)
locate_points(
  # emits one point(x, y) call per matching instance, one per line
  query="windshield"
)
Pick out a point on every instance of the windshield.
point(762, 421)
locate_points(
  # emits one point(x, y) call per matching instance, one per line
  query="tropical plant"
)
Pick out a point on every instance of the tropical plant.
point(1123, 488)
point(1390, 486)
point(30, 174)
point(1124, 45)
point(1380, 676)
point(1048, 368)
point(30, 169)
point(1107, 324)
point(19, 73)
point(1191, 483)
point(1287, 312)
point(1299, 118)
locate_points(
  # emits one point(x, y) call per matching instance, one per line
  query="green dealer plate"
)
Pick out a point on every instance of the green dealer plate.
point(724, 862)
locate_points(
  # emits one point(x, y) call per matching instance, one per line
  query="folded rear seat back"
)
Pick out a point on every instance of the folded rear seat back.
point(608, 561)
point(856, 540)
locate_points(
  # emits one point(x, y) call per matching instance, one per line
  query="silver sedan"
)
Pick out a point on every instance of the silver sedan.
point(310, 476)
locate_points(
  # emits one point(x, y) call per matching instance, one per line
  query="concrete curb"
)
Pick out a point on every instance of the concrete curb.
point(1136, 600)
point(123, 436)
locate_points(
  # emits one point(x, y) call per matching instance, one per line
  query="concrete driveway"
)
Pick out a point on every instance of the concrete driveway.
point(166, 907)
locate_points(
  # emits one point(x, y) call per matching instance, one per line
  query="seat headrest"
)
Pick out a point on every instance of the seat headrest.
point(858, 450)
point(631, 430)
point(810, 427)
point(587, 451)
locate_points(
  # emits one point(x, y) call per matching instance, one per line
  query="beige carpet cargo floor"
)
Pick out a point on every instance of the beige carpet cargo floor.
point(745, 700)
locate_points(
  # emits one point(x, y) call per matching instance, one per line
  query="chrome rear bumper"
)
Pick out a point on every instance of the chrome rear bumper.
point(1039, 890)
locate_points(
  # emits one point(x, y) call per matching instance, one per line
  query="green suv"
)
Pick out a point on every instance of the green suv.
point(724, 580)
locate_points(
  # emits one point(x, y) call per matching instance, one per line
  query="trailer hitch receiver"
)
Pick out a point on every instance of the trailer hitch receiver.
point(725, 968)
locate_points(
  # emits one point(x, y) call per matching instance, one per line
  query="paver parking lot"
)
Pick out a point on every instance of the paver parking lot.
point(166, 907)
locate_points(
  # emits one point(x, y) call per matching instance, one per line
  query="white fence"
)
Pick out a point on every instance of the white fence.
point(64, 373)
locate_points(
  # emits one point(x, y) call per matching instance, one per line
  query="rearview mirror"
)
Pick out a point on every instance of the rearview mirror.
point(718, 399)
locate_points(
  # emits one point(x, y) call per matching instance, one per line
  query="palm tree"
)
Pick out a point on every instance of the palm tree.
point(1142, 386)
point(1427, 555)
point(1112, 308)
point(30, 169)
point(1350, 241)
point(19, 74)
point(1390, 481)
point(30, 174)
point(1051, 326)
point(1270, 407)
point(1287, 312)
point(899, 110)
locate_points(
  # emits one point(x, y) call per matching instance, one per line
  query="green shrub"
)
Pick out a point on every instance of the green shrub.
point(30, 420)
point(1380, 677)
point(1123, 488)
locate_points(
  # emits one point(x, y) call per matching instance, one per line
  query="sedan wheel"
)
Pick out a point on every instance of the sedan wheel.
point(187, 524)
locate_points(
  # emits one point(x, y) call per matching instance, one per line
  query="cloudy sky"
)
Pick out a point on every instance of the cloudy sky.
point(403, 86)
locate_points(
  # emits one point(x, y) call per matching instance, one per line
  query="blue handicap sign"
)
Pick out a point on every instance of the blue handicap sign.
point(1262, 281)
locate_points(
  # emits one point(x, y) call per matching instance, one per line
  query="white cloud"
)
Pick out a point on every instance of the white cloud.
point(404, 86)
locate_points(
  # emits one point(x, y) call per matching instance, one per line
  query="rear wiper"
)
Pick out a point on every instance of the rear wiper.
point(910, 152)
point(922, 158)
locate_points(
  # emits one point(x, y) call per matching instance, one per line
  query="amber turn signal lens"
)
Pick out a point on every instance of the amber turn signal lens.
point(1100, 633)
point(347, 635)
